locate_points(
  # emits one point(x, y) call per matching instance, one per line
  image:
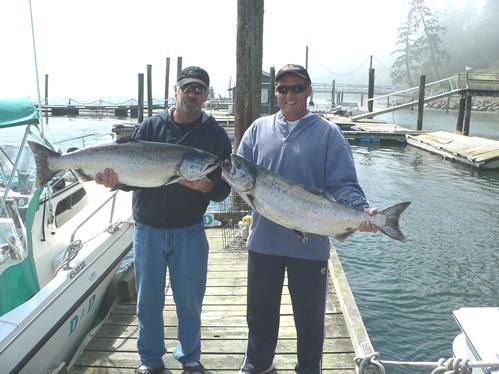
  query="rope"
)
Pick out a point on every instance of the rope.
point(454, 365)
point(370, 363)
point(102, 102)
point(338, 74)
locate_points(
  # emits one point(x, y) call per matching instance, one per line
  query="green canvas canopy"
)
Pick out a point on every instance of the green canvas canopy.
point(17, 112)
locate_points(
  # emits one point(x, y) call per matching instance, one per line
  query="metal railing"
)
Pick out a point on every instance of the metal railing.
point(113, 198)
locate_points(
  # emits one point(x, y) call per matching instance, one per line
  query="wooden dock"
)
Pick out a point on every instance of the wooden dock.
point(470, 150)
point(224, 330)
point(371, 131)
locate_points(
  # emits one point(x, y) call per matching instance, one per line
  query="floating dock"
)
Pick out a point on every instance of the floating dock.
point(113, 349)
point(371, 131)
point(470, 150)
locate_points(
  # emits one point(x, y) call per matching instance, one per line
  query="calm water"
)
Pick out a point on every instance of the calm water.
point(406, 291)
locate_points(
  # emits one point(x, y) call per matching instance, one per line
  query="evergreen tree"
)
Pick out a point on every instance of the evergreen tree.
point(420, 49)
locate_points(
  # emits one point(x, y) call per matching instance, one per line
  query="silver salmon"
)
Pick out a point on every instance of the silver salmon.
point(138, 163)
point(302, 209)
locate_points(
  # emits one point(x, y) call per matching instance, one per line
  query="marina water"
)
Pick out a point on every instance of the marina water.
point(406, 292)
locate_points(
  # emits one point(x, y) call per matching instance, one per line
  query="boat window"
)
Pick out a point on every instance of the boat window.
point(69, 205)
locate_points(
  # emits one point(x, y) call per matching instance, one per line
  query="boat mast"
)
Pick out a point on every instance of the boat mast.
point(36, 72)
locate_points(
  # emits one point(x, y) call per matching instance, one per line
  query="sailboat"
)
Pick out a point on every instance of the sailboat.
point(60, 248)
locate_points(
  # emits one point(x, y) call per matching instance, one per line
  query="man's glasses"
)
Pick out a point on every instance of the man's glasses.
point(198, 90)
point(296, 88)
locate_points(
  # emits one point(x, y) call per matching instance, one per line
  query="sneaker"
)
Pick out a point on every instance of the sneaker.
point(142, 369)
point(195, 368)
point(247, 370)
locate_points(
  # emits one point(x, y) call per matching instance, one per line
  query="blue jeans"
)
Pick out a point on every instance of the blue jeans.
point(184, 251)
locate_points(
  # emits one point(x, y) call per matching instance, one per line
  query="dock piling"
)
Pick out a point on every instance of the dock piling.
point(422, 84)
point(272, 91)
point(140, 100)
point(167, 81)
point(149, 90)
point(370, 89)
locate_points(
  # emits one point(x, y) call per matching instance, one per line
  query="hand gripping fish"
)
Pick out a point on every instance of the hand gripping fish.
point(137, 163)
point(301, 209)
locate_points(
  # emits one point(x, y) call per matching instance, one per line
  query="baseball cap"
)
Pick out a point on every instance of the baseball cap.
point(193, 74)
point(293, 69)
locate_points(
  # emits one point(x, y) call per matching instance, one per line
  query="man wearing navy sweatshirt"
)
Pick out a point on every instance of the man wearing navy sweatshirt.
point(169, 229)
point(307, 149)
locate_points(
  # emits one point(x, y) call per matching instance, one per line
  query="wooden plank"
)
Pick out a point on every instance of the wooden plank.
point(209, 319)
point(288, 346)
point(223, 361)
point(474, 151)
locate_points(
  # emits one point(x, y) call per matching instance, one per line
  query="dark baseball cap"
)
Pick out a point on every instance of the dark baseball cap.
point(293, 69)
point(193, 74)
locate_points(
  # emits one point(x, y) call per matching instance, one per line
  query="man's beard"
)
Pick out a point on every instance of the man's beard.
point(189, 107)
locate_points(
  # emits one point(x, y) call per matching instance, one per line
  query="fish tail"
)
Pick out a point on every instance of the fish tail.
point(393, 214)
point(41, 154)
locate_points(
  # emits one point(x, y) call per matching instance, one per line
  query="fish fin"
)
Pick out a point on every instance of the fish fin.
point(392, 221)
point(82, 176)
point(319, 192)
point(171, 181)
point(344, 235)
point(302, 236)
point(41, 153)
point(249, 200)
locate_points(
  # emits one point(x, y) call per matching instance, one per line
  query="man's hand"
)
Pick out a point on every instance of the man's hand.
point(108, 178)
point(203, 185)
point(368, 226)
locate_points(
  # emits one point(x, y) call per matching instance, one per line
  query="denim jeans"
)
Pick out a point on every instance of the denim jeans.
point(184, 251)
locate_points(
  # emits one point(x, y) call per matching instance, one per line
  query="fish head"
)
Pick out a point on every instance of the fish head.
point(196, 164)
point(240, 173)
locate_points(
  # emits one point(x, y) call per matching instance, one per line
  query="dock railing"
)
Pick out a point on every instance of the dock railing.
point(433, 91)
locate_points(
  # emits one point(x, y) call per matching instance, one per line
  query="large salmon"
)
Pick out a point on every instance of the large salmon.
point(137, 163)
point(302, 209)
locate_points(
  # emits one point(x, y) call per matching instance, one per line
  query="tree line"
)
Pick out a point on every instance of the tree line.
point(441, 44)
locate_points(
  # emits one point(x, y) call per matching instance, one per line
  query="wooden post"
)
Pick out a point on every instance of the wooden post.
point(140, 100)
point(467, 116)
point(361, 99)
point(370, 89)
point(342, 95)
point(179, 66)
point(149, 90)
point(248, 65)
point(272, 91)
point(460, 115)
point(448, 104)
point(333, 89)
point(167, 81)
point(388, 101)
point(306, 57)
point(46, 99)
point(46, 89)
point(422, 84)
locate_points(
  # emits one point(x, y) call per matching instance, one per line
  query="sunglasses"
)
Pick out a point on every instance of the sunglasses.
point(198, 90)
point(296, 88)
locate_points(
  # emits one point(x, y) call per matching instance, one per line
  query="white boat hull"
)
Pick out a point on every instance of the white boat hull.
point(45, 332)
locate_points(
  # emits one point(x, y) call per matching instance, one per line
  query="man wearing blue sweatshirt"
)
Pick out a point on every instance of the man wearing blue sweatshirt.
point(307, 149)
